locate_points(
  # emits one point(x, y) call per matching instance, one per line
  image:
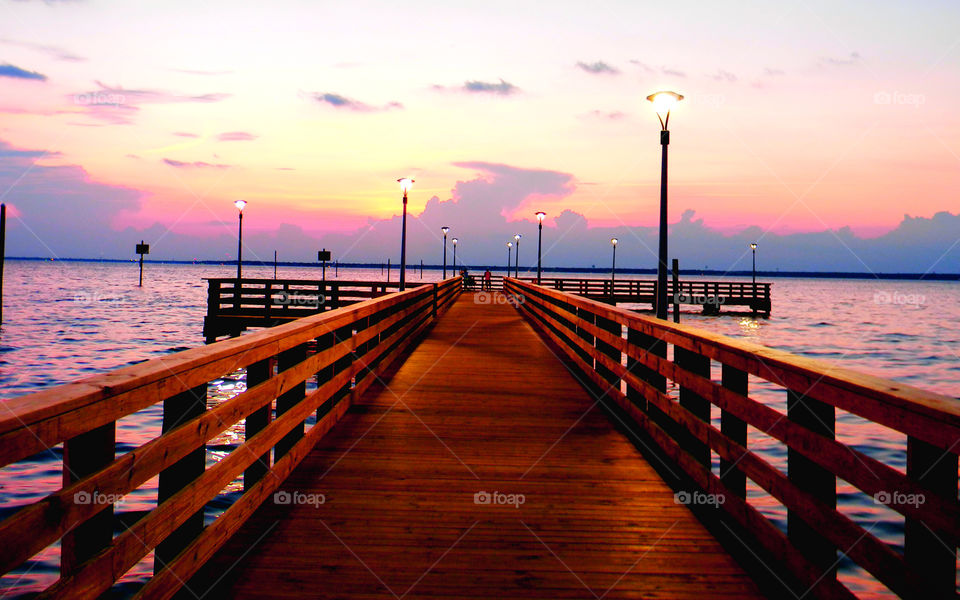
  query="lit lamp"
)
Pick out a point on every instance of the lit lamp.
point(540, 216)
point(405, 184)
point(509, 262)
point(455, 242)
point(240, 204)
point(613, 268)
point(517, 270)
point(753, 248)
point(445, 229)
point(662, 103)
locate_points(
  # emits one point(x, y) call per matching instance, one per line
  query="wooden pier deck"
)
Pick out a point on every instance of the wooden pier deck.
point(430, 443)
point(480, 406)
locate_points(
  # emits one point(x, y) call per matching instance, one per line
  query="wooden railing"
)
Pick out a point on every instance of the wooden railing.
point(709, 295)
point(344, 349)
point(624, 357)
point(233, 305)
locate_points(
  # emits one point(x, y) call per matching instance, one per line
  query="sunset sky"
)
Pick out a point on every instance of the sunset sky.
point(799, 116)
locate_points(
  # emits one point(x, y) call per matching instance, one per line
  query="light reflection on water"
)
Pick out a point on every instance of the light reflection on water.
point(65, 321)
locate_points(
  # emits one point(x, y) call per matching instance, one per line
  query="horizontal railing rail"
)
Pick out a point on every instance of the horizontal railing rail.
point(344, 350)
point(710, 295)
point(624, 356)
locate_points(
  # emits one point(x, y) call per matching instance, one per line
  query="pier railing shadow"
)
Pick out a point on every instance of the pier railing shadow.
point(344, 349)
point(669, 381)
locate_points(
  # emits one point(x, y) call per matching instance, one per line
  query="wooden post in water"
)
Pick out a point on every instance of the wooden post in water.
point(421, 268)
point(676, 290)
point(274, 264)
point(388, 270)
point(141, 250)
point(336, 269)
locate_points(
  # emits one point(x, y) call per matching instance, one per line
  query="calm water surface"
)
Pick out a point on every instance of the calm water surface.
point(65, 321)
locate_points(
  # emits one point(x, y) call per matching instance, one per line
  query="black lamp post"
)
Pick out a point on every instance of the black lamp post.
point(613, 268)
point(540, 216)
point(455, 242)
point(405, 184)
point(753, 248)
point(509, 262)
point(444, 229)
point(240, 204)
point(516, 272)
point(662, 103)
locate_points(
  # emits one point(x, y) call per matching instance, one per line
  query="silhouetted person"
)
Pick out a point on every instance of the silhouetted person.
point(486, 281)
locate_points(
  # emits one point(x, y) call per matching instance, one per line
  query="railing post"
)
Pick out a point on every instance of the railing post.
point(812, 478)
point(735, 429)
point(82, 455)
point(930, 552)
point(435, 301)
point(695, 364)
point(178, 410)
point(257, 421)
point(287, 360)
point(211, 325)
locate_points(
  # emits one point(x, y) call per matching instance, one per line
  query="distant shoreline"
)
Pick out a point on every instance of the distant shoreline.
point(496, 268)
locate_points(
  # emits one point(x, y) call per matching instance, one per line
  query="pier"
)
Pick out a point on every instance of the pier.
point(236, 305)
point(529, 442)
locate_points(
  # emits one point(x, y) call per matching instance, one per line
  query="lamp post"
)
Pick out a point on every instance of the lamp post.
point(509, 262)
point(662, 103)
point(540, 216)
point(753, 248)
point(240, 204)
point(455, 242)
point(445, 229)
point(613, 268)
point(516, 272)
point(405, 184)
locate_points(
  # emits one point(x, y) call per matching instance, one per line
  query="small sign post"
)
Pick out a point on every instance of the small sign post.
point(323, 256)
point(141, 250)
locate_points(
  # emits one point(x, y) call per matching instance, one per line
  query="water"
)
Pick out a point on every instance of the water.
point(65, 321)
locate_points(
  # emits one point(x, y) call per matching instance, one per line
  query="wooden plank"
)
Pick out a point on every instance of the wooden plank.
point(82, 455)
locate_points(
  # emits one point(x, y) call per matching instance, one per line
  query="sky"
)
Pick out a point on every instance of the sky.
point(826, 132)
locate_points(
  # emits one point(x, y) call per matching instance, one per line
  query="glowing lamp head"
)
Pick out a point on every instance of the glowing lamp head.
point(405, 184)
point(445, 230)
point(517, 237)
point(509, 244)
point(240, 204)
point(614, 241)
point(455, 241)
point(662, 103)
point(540, 216)
point(753, 246)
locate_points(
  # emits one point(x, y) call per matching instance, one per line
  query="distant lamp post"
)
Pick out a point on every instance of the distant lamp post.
point(613, 268)
point(445, 230)
point(662, 103)
point(455, 242)
point(516, 272)
point(405, 184)
point(509, 262)
point(240, 204)
point(753, 248)
point(540, 216)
